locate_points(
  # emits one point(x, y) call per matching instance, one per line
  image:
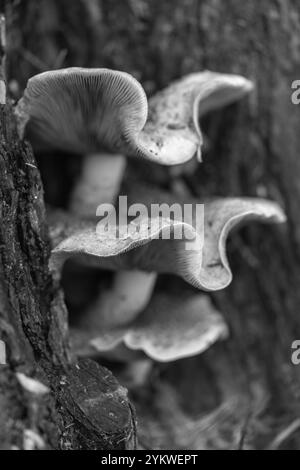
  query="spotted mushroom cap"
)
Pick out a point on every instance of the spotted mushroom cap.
point(173, 126)
point(91, 110)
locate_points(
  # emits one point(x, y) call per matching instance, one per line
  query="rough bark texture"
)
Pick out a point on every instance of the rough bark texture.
point(85, 406)
point(253, 149)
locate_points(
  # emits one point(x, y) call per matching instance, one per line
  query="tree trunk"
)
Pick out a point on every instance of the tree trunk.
point(253, 150)
point(82, 406)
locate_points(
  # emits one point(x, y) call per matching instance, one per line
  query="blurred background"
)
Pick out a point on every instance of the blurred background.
point(244, 392)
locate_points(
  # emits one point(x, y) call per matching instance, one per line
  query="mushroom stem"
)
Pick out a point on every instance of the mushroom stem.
point(129, 295)
point(99, 183)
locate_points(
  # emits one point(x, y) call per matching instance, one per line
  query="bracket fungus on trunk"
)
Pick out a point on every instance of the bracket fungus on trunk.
point(96, 111)
point(205, 266)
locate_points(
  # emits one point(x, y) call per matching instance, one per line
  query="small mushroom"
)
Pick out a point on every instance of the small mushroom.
point(205, 266)
point(95, 111)
point(173, 326)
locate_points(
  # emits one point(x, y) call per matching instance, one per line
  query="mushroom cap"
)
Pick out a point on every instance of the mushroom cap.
point(172, 130)
point(173, 326)
point(85, 110)
point(89, 110)
point(205, 266)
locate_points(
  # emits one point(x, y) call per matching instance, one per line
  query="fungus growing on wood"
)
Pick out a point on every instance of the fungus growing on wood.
point(173, 326)
point(96, 111)
point(173, 126)
point(205, 266)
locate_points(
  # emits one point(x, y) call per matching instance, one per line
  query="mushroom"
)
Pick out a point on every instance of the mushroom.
point(173, 326)
point(205, 266)
point(92, 111)
point(174, 112)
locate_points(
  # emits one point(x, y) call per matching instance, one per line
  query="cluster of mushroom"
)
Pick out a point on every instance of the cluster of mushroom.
point(105, 115)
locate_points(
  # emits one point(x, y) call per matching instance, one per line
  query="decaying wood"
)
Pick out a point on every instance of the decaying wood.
point(84, 406)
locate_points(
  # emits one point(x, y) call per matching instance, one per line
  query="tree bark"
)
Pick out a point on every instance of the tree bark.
point(84, 406)
point(253, 150)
